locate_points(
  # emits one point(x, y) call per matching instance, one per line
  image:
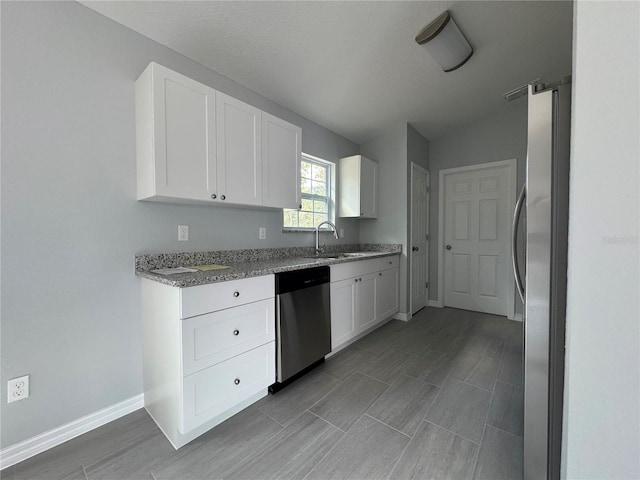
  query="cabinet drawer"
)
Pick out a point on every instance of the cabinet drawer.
point(215, 337)
point(216, 389)
point(218, 296)
point(353, 269)
point(385, 263)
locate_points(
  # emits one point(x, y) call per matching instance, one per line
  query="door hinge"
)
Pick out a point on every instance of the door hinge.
point(426, 237)
point(427, 189)
point(426, 285)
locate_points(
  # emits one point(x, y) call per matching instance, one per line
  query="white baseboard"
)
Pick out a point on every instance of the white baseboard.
point(517, 317)
point(405, 317)
point(435, 303)
point(38, 444)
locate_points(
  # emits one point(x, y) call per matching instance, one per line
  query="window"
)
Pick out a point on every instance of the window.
point(316, 187)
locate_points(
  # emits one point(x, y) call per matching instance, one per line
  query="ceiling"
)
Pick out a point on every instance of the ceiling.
point(353, 66)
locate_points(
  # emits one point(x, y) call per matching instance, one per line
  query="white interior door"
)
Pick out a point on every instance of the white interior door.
point(419, 247)
point(477, 215)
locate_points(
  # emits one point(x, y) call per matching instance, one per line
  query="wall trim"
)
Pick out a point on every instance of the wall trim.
point(512, 164)
point(436, 303)
point(33, 446)
point(405, 317)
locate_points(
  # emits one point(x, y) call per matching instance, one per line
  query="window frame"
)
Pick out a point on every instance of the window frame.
point(329, 188)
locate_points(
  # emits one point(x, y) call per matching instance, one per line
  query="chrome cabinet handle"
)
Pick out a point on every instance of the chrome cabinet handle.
point(448, 247)
point(380, 274)
point(236, 294)
point(223, 197)
point(514, 244)
point(236, 332)
point(237, 381)
point(214, 196)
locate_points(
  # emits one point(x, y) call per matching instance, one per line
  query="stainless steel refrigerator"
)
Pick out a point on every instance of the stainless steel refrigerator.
point(545, 197)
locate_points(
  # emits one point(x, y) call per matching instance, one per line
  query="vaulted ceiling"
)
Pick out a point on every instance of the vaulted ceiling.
point(353, 66)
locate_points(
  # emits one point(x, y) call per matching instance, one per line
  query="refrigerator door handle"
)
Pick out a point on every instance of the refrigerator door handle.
point(514, 241)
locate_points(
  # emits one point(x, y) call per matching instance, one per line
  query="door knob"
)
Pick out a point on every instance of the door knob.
point(415, 249)
point(448, 247)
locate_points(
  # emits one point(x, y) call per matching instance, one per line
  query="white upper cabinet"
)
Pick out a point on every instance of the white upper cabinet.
point(176, 142)
point(281, 152)
point(358, 186)
point(239, 150)
point(197, 145)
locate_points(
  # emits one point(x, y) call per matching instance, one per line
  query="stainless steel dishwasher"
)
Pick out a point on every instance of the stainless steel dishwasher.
point(303, 322)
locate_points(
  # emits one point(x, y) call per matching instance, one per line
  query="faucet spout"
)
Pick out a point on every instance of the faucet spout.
point(335, 234)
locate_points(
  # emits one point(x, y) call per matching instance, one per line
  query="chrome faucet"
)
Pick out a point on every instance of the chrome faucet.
point(335, 234)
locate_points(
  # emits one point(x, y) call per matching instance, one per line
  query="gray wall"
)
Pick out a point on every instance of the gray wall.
point(70, 221)
point(602, 384)
point(394, 151)
point(389, 150)
point(499, 137)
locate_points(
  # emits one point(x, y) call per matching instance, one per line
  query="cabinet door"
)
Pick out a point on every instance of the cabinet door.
point(387, 294)
point(281, 150)
point(214, 390)
point(212, 338)
point(368, 188)
point(343, 311)
point(184, 136)
point(366, 302)
point(239, 151)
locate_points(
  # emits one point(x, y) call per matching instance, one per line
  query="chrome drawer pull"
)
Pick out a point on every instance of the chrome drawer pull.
point(237, 381)
point(236, 332)
point(236, 294)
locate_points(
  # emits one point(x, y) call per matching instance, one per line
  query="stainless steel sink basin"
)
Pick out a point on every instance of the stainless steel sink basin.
point(327, 255)
point(341, 255)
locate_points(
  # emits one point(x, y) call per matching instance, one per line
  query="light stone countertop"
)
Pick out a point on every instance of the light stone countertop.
point(244, 266)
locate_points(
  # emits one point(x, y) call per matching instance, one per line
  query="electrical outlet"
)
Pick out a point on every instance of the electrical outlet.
point(262, 233)
point(341, 234)
point(183, 233)
point(18, 389)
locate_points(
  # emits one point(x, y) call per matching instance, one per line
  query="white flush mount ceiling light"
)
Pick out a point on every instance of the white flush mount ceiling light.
point(445, 43)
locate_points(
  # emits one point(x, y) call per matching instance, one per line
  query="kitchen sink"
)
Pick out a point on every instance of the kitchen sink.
point(341, 255)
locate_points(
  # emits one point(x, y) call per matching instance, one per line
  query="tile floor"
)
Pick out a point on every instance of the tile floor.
point(437, 397)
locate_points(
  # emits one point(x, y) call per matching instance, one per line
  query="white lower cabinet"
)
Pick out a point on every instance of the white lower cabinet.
point(214, 390)
point(202, 369)
point(387, 301)
point(363, 294)
point(366, 314)
point(343, 311)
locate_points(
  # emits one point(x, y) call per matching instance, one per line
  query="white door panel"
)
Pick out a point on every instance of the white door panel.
point(419, 246)
point(476, 239)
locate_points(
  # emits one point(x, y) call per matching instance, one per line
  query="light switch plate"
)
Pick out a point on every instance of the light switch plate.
point(183, 233)
point(262, 233)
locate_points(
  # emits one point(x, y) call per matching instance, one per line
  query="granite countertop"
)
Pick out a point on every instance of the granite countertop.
point(249, 263)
